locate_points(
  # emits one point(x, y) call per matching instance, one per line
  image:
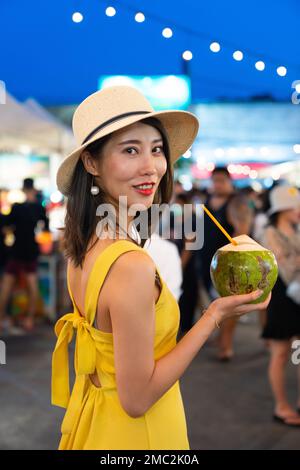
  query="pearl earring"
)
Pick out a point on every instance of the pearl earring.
point(94, 189)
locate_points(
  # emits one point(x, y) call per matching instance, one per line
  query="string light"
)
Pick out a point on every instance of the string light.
point(282, 71)
point(139, 17)
point(215, 47)
point(77, 17)
point(238, 55)
point(260, 65)
point(187, 55)
point(110, 11)
point(167, 33)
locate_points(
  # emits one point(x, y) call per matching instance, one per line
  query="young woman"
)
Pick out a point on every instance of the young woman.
point(283, 314)
point(128, 363)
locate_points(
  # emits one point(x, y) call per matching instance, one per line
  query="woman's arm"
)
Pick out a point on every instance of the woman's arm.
point(172, 366)
point(141, 380)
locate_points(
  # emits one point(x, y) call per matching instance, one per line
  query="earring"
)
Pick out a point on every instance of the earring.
point(94, 189)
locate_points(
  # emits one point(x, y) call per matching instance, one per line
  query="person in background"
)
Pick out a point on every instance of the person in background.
point(260, 222)
point(3, 248)
point(240, 215)
point(165, 254)
point(23, 255)
point(282, 237)
point(235, 214)
point(189, 295)
point(178, 189)
point(220, 192)
point(219, 195)
point(261, 219)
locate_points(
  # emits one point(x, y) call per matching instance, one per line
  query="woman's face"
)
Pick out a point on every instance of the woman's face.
point(133, 156)
point(292, 216)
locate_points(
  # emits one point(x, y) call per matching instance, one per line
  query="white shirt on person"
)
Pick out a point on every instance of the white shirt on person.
point(166, 256)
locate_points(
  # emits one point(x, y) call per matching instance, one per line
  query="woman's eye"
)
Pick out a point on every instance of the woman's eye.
point(160, 149)
point(130, 148)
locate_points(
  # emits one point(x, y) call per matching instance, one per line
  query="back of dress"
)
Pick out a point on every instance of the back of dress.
point(95, 418)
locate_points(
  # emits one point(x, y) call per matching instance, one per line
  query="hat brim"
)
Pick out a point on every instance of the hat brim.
point(181, 127)
point(286, 207)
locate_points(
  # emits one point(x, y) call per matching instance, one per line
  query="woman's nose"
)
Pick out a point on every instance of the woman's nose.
point(148, 163)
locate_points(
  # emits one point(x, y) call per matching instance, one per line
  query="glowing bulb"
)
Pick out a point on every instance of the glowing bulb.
point(110, 11)
point(167, 33)
point(215, 47)
point(187, 55)
point(282, 71)
point(238, 55)
point(77, 17)
point(260, 65)
point(139, 17)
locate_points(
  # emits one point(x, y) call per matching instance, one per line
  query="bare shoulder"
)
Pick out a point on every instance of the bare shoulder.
point(131, 286)
point(133, 267)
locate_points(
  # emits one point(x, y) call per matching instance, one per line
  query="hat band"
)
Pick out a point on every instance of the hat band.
point(110, 121)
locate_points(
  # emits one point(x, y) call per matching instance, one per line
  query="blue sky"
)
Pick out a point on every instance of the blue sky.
point(47, 56)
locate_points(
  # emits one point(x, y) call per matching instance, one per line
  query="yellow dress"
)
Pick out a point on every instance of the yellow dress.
point(95, 418)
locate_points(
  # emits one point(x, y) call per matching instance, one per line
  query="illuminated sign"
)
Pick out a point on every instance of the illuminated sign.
point(163, 91)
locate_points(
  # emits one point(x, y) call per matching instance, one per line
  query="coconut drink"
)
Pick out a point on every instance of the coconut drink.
point(243, 268)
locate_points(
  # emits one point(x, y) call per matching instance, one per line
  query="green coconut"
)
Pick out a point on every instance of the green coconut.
point(243, 268)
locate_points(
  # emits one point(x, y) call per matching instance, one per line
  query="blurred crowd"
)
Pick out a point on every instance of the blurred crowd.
point(271, 217)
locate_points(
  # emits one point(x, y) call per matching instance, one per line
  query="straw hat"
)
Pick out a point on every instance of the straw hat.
point(116, 107)
point(283, 198)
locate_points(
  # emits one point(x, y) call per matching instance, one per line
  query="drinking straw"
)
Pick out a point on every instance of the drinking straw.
point(219, 225)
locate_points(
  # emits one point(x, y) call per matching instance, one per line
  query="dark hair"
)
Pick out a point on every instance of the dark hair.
point(221, 169)
point(28, 183)
point(273, 219)
point(81, 219)
point(183, 197)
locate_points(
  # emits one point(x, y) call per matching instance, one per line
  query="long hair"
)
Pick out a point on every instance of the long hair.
point(81, 219)
point(273, 219)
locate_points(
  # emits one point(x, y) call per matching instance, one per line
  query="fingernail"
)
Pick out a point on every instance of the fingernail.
point(259, 293)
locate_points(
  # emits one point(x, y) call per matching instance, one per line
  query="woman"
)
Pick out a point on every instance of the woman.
point(126, 393)
point(283, 313)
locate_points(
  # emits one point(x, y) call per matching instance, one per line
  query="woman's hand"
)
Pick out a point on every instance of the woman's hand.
point(236, 305)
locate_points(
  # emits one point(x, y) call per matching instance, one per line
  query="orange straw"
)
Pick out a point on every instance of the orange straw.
point(219, 225)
